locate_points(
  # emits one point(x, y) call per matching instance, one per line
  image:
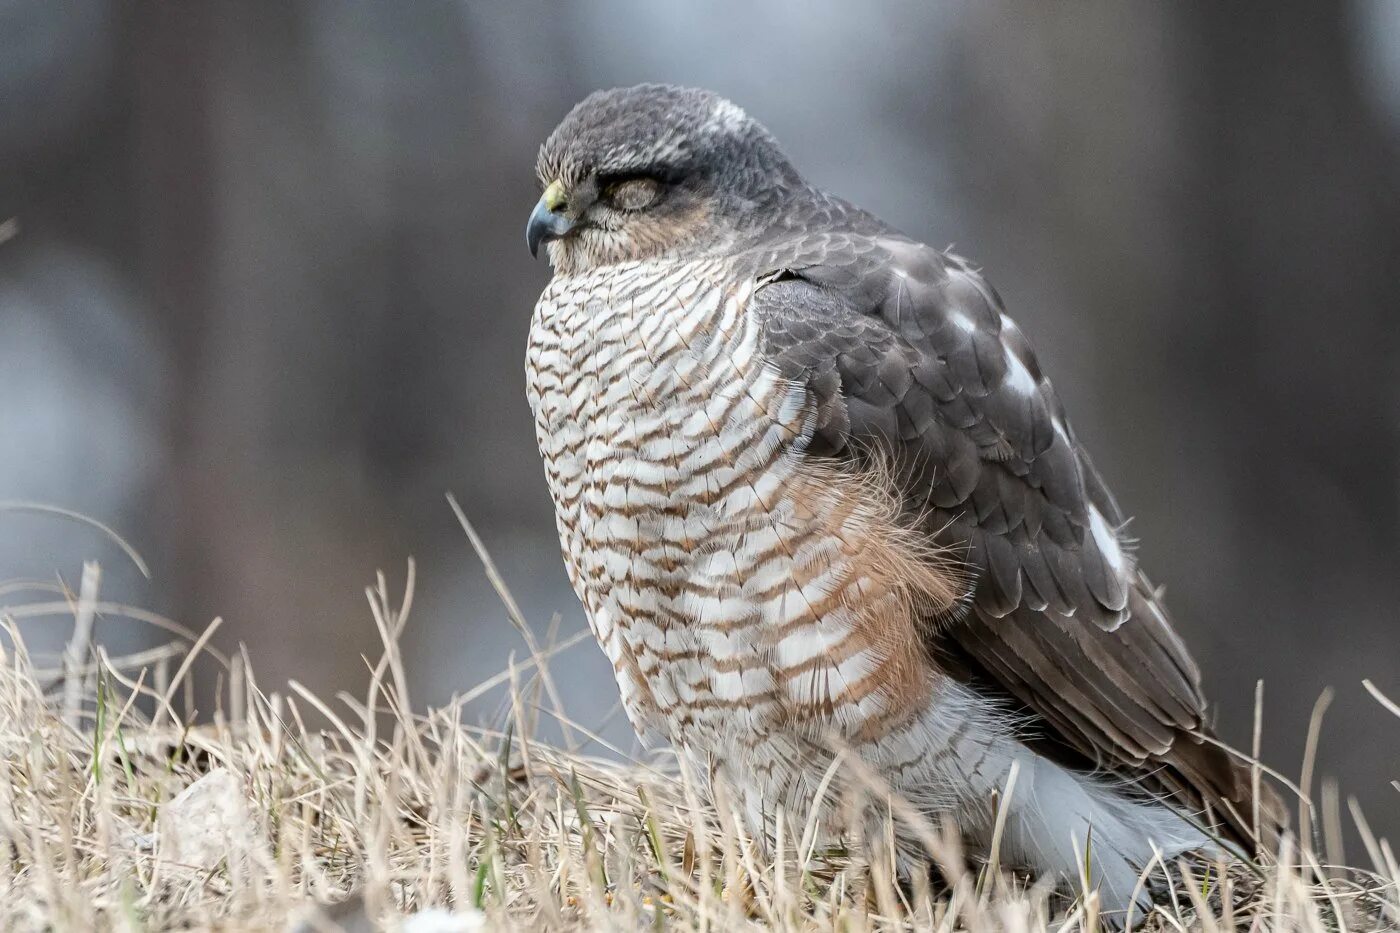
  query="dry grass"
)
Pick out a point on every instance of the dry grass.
point(116, 812)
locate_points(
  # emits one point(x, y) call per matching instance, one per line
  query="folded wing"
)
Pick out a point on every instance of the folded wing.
point(907, 354)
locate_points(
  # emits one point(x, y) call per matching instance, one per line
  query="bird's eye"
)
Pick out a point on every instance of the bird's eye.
point(633, 194)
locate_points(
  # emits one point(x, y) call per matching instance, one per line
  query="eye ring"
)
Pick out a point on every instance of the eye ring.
point(633, 194)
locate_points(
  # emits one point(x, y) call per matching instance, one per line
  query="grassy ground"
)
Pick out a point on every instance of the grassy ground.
point(281, 810)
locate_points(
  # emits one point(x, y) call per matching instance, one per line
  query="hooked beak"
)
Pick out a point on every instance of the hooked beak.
point(548, 220)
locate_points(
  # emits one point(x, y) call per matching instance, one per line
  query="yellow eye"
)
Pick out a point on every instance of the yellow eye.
point(633, 194)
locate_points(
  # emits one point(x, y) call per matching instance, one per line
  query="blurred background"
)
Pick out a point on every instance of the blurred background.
point(264, 296)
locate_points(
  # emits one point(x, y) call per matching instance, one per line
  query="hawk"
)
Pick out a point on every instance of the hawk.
point(818, 498)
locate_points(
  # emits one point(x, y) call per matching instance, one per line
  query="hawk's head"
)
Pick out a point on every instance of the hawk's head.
point(653, 170)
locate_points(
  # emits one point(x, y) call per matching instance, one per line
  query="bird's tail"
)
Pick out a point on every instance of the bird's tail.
point(1236, 799)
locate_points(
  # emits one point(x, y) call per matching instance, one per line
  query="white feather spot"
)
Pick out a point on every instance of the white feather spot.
point(726, 117)
point(962, 322)
point(1018, 376)
point(1107, 540)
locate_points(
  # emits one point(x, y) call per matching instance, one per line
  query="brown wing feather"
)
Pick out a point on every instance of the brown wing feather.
point(906, 351)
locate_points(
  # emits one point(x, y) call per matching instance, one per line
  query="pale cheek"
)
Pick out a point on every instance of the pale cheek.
point(619, 236)
point(675, 224)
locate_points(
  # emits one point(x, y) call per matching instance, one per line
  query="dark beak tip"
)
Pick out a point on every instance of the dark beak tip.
point(534, 232)
point(544, 224)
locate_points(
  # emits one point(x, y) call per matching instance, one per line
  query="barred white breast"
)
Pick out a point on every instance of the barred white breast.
point(755, 607)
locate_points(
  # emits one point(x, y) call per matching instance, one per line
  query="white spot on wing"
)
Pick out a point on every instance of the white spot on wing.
point(1107, 541)
point(1018, 376)
point(962, 322)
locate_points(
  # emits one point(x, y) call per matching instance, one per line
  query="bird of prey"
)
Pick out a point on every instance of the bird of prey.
point(818, 499)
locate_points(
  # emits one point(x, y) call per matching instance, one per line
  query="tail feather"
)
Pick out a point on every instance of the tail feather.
point(1209, 779)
